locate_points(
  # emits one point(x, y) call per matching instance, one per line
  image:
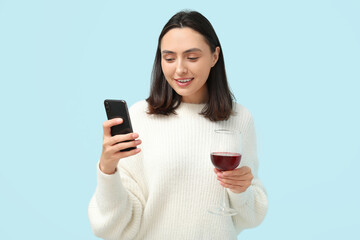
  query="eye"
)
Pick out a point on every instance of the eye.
point(193, 58)
point(168, 58)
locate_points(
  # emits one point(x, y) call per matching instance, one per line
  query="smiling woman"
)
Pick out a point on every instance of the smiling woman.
point(190, 58)
point(187, 65)
point(164, 190)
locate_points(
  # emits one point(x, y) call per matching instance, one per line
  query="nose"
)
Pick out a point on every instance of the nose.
point(181, 68)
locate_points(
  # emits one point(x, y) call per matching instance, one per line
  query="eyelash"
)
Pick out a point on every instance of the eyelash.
point(172, 59)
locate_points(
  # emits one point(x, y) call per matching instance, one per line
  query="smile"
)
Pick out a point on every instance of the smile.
point(183, 82)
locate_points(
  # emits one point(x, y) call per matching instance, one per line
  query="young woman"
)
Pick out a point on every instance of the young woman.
point(163, 189)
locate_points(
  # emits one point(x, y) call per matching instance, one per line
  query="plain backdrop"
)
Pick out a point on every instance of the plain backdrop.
point(293, 64)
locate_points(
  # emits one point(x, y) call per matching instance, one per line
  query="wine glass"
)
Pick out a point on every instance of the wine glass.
point(225, 155)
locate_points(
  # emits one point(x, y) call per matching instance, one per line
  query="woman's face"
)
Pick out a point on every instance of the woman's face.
point(186, 60)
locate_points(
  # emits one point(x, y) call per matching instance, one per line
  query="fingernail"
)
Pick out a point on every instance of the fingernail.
point(119, 120)
point(135, 135)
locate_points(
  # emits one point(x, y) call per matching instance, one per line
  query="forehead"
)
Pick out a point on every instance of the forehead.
point(182, 39)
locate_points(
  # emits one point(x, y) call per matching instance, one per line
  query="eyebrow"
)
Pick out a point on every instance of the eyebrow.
point(187, 51)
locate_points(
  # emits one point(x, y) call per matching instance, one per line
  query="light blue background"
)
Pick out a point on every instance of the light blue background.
point(294, 64)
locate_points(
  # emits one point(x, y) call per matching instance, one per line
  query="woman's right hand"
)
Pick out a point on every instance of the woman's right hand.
point(112, 145)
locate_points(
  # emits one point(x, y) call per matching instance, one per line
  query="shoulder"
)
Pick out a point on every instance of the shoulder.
point(243, 119)
point(242, 116)
point(241, 111)
point(138, 115)
point(139, 108)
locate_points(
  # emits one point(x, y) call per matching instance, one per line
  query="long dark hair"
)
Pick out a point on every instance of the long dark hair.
point(164, 100)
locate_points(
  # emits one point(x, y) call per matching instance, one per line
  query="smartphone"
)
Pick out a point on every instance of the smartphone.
point(118, 109)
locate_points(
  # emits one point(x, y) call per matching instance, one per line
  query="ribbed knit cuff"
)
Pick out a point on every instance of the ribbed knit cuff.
point(110, 189)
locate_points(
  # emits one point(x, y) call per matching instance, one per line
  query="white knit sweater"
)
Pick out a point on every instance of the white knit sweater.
point(164, 192)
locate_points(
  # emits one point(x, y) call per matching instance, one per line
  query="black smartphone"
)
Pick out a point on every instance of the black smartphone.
point(118, 109)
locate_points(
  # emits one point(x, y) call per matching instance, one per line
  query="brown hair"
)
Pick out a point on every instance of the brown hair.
point(164, 100)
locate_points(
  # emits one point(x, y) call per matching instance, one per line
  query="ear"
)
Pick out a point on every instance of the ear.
point(215, 56)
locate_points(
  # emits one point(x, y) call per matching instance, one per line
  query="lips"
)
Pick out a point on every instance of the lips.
point(183, 82)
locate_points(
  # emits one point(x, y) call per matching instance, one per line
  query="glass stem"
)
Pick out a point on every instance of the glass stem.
point(223, 200)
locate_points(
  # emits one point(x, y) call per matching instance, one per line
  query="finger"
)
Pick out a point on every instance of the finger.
point(108, 124)
point(121, 155)
point(122, 137)
point(237, 172)
point(234, 188)
point(233, 173)
point(240, 183)
point(124, 145)
point(245, 177)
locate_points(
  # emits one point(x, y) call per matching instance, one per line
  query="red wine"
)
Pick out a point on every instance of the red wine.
point(225, 161)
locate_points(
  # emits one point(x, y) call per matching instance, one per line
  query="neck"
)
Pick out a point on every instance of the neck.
point(201, 97)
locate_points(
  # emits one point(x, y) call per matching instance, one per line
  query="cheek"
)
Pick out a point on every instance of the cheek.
point(166, 69)
point(203, 71)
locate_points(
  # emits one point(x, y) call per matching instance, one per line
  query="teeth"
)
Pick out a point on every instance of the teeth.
point(185, 80)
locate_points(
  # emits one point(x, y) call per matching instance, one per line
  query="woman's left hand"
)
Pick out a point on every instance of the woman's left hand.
point(237, 180)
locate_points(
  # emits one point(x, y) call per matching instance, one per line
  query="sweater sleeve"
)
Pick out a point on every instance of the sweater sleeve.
point(117, 205)
point(252, 204)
